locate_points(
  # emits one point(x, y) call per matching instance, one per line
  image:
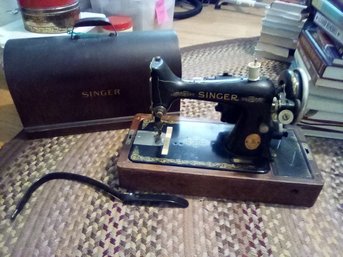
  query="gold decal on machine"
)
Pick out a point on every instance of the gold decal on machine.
point(100, 93)
point(218, 96)
point(252, 141)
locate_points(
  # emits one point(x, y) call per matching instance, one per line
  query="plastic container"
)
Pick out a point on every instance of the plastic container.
point(119, 24)
point(143, 12)
point(49, 16)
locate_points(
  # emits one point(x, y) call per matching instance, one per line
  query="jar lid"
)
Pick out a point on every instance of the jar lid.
point(119, 23)
point(41, 4)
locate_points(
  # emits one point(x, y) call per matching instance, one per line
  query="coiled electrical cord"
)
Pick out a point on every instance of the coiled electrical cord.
point(197, 8)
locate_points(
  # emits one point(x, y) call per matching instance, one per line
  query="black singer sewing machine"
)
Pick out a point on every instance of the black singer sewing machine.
point(255, 153)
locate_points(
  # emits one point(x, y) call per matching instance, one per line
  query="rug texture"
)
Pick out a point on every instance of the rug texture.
point(69, 219)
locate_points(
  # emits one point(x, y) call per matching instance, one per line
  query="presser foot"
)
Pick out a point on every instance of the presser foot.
point(158, 127)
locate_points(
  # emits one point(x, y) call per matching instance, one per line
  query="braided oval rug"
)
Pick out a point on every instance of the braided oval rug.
point(69, 219)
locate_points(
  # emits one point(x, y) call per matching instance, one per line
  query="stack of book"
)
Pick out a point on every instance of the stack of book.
point(281, 27)
point(320, 53)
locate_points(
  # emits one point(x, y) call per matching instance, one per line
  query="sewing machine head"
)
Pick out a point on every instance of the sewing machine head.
point(258, 108)
point(252, 155)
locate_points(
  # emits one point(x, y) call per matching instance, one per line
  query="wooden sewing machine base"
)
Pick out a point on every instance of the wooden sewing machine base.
point(292, 178)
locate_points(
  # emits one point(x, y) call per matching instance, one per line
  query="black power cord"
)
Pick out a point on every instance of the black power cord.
point(197, 7)
point(126, 198)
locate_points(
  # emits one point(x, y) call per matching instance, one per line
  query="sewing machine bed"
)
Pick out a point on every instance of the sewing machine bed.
point(191, 144)
point(190, 160)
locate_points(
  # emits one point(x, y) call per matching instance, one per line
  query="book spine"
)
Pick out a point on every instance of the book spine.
point(327, 92)
point(329, 10)
point(330, 28)
point(278, 41)
point(311, 51)
point(327, 46)
point(317, 47)
point(329, 83)
point(278, 25)
point(332, 72)
point(315, 79)
point(308, 65)
point(290, 7)
point(325, 104)
point(318, 133)
point(273, 49)
point(338, 62)
point(320, 115)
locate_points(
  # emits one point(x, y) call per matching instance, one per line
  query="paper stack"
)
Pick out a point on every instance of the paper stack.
point(281, 27)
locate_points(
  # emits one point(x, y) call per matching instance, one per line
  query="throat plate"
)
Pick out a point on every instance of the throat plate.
point(191, 144)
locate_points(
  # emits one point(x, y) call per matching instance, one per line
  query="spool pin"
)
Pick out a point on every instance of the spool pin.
point(254, 70)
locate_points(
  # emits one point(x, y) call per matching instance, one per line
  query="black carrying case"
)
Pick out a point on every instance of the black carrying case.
point(77, 84)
